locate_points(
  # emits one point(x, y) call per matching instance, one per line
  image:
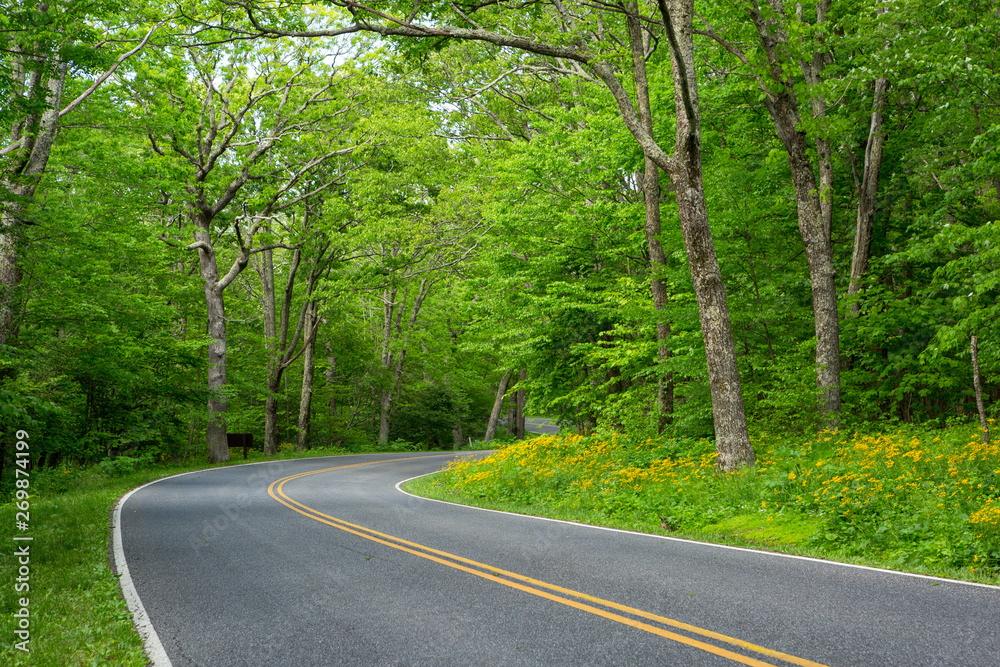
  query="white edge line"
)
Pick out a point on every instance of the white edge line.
point(140, 619)
point(399, 487)
point(154, 649)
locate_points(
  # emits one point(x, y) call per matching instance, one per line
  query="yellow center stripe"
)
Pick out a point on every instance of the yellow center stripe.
point(275, 490)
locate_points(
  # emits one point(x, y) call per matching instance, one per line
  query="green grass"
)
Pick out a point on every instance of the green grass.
point(78, 616)
point(768, 531)
point(784, 534)
point(787, 534)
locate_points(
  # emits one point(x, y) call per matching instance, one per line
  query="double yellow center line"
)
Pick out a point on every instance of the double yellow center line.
point(605, 608)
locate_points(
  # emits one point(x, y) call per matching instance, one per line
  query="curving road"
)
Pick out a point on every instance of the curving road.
point(326, 562)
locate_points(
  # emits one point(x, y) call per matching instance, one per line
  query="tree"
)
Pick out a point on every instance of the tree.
point(491, 428)
point(218, 137)
point(868, 186)
point(101, 357)
point(640, 42)
point(304, 421)
point(928, 286)
point(585, 46)
point(305, 190)
point(420, 267)
point(40, 43)
point(792, 56)
point(492, 207)
point(977, 384)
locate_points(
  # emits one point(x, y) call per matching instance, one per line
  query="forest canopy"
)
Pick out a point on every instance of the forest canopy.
point(339, 223)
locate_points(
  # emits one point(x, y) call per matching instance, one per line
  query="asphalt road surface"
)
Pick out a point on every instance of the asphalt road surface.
point(541, 425)
point(325, 562)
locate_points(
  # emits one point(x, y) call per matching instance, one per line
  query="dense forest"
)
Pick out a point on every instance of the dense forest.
point(353, 222)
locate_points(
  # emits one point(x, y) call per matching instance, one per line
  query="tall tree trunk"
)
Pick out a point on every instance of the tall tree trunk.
point(385, 412)
point(276, 346)
point(782, 104)
point(868, 188)
point(650, 180)
point(20, 179)
point(457, 430)
point(732, 439)
point(190, 442)
point(385, 402)
point(330, 375)
point(812, 72)
point(825, 169)
point(819, 257)
point(10, 272)
point(491, 426)
point(867, 193)
point(265, 268)
point(977, 384)
point(201, 216)
point(395, 362)
point(308, 363)
point(218, 405)
point(383, 417)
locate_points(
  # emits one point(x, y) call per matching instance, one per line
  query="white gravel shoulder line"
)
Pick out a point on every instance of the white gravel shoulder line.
point(399, 487)
point(154, 649)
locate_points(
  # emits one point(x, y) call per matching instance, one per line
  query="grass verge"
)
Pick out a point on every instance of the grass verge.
point(784, 536)
point(77, 614)
point(918, 501)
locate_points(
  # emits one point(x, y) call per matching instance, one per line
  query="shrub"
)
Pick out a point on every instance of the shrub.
point(123, 465)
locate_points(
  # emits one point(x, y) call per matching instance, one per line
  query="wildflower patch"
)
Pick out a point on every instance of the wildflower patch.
point(928, 501)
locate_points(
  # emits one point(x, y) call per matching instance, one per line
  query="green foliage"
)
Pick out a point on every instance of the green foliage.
point(787, 396)
point(473, 152)
point(99, 364)
point(123, 465)
point(428, 416)
point(508, 191)
point(400, 445)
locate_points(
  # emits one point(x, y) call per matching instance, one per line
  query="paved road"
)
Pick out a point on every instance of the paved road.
point(278, 564)
point(541, 425)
